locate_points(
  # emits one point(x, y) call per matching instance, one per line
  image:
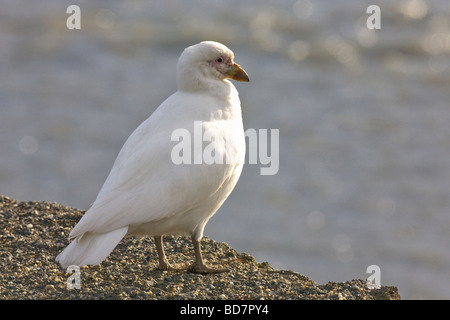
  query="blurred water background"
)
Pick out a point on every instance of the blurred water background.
point(364, 120)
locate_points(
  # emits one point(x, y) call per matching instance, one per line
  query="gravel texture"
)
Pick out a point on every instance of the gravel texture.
point(33, 233)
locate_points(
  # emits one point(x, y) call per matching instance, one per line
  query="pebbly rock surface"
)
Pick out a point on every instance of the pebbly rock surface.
point(33, 233)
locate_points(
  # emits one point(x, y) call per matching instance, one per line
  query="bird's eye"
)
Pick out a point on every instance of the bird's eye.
point(219, 60)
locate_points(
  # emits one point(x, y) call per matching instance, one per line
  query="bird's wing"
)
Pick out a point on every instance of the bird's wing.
point(145, 185)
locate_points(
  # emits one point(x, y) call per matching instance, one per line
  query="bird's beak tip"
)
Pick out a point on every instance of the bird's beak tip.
point(236, 72)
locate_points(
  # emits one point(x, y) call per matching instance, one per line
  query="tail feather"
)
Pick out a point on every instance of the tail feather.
point(91, 248)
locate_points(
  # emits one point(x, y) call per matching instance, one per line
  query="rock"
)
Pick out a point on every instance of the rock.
point(130, 272)
point(50, 288)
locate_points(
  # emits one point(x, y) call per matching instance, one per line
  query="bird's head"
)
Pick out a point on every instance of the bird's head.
point(207, 61)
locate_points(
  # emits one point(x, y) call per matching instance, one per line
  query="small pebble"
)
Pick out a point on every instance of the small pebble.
point(50, 288)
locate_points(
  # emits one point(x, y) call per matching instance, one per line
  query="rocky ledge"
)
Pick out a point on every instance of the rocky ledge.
point(33, 233)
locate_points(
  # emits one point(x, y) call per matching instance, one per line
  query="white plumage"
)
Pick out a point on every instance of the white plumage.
point(146, 193)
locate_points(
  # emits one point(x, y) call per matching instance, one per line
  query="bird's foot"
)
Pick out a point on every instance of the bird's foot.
point(173, 267)
point(204, 269)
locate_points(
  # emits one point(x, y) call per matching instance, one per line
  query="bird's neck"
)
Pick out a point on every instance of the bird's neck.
point(220, 101)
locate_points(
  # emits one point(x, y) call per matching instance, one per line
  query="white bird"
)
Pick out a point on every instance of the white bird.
point(146, 192)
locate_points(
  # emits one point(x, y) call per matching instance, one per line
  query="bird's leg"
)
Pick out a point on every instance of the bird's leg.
point(163, 263)
point(199, 265)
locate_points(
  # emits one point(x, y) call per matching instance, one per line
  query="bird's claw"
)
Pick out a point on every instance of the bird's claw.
point(204, 269)
point(173, 267)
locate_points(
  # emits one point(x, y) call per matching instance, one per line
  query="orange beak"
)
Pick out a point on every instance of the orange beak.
point(237, 73)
